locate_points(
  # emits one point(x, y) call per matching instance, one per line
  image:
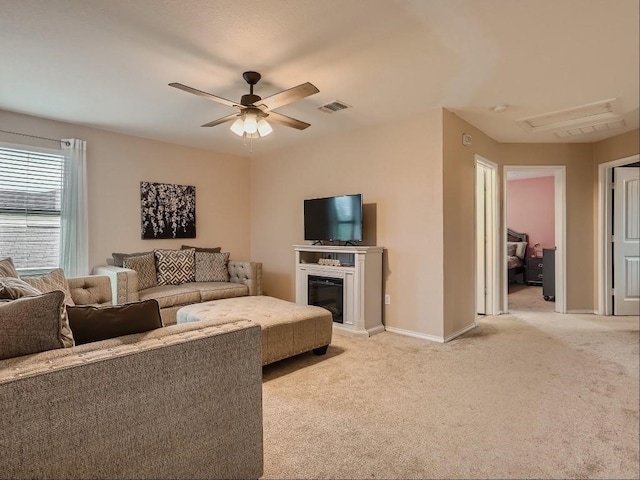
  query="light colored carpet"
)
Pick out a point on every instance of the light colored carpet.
point(525, 395)
point(528, 298)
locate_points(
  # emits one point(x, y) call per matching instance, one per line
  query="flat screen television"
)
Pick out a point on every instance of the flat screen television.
point(333, 218)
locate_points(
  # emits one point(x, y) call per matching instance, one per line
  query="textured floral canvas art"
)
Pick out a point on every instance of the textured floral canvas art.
point(168, 210)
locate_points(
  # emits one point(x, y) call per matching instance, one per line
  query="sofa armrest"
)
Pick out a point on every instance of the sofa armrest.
point(124, 283)
point(246, 273)
point(147, 405)
point(90, 290)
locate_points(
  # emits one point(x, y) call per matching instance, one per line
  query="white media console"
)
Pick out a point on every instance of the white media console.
point(345, 280)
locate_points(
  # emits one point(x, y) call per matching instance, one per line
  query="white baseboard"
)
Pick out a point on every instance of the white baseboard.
point(432, 338)
point(460, 332)
point(411, 333)
point(591, 312)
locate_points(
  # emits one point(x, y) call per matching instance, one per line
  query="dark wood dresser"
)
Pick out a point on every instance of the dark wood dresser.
point(533, 273)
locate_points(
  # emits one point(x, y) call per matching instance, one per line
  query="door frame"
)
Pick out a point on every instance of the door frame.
point(560, 225)
point(492, 232)
point(604, 267)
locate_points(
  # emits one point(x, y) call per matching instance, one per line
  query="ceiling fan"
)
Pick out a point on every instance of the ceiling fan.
point(253, 110)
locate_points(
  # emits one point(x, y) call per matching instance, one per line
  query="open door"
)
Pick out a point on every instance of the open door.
point(481, 240)
point(626, 241)
point(486, 231)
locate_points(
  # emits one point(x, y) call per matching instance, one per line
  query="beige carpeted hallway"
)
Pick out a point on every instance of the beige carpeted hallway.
point(524, 395)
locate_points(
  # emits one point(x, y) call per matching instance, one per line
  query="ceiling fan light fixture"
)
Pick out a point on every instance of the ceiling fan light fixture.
point(238, 127)
point(264, 128)
point(250, 123)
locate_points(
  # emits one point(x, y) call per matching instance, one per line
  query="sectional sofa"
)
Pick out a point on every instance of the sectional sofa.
point(179, 402)
point(235, 279)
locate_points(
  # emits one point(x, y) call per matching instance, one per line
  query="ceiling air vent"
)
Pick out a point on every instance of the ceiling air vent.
point(334, 106)
point(581, 120)
point(601, 127)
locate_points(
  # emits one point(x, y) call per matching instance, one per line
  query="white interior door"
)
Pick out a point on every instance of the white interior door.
point(626, 244)
point(481, 236)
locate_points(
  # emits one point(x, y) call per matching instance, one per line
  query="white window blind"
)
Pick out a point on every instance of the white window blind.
point(30, 194)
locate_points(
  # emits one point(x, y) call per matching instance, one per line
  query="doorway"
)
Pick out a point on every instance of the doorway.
point(611, 289)
point(549, 279)
point(486, 235)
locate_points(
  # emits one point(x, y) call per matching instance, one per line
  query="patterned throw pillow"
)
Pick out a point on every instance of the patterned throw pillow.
point(145, 265)
point(175, 266)
point(54, 280)
point(212, 267)
point(13, 288)
point(7, 269)
point(34, 324)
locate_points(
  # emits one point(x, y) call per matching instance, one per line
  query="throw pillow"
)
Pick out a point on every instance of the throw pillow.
point(118, 258)
point(175, 267)
point(33, 324)
point(14, 288)
point(7, 268)
point(91, 324)
point(145, 265)
point(54, 280)
point(511, 249)
point(212, 267)
point(202, 249)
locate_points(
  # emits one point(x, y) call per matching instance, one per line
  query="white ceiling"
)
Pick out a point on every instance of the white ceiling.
point(107, 63)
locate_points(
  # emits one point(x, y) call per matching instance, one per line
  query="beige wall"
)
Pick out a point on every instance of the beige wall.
point(115, 166)
point(459, 218)
point(614, 148)
point(459, 213)
point(398, 168)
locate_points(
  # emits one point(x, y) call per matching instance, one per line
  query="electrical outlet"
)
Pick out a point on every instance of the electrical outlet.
point(387, 299)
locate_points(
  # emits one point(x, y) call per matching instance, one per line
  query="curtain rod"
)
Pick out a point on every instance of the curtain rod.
point(68, 144)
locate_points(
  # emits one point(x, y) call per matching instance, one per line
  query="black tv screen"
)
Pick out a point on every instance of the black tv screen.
point(333, 218)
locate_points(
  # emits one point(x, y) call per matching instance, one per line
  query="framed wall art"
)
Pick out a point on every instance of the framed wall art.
point(168, 210)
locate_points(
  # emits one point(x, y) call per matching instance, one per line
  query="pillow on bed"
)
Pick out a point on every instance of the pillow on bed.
point(521, 248)
point(511, 249)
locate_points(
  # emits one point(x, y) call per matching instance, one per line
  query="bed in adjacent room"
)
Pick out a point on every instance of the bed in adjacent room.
point(516, 250)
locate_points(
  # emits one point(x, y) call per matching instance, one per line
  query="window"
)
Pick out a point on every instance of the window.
point(30, 198)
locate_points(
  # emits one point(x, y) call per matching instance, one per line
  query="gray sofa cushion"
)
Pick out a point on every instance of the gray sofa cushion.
point(217, 290)
point(118, 258)
point(203, 249)
point(33, 324)
point(91, 324)
point(171, 295)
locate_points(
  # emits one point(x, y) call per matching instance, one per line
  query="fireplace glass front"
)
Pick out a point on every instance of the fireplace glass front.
point(326, 292)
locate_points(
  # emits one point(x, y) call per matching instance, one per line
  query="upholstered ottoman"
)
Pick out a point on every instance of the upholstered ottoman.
point(287, 328)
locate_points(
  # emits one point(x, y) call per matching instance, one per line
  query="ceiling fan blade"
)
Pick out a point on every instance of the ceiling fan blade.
point(288, 121)
point(228, 118)
point(211, 97)
point(287, 96)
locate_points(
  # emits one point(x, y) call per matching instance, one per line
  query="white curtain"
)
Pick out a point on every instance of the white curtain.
point(74, 214)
